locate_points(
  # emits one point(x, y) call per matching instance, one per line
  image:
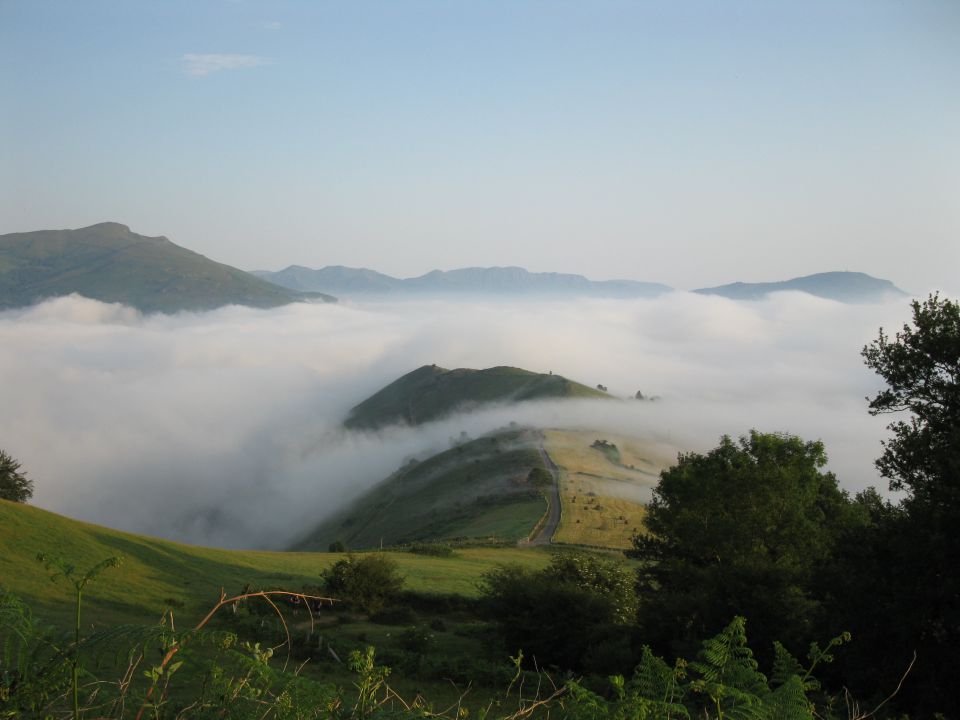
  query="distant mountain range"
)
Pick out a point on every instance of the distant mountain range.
point(465, 281)
point(850, 287)
point(847, 287)
point(110, 263)
point(431, 392)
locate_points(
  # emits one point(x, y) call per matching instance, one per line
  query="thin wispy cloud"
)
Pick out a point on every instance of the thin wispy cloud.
point(272, 25)
point(206, 64)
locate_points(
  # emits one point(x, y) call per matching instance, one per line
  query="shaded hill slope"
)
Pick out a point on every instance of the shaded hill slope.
point(431, 392)
point(110, 263)
point(848, 287)
point(477, 489)
point(496, 281)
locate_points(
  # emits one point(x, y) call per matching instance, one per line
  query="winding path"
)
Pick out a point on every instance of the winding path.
point(545, 536)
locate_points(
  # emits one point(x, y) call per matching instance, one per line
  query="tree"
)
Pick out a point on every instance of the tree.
point(14, 485)
point(902, 588)
point(921, 366)
point(368, 581)
point(739, 531)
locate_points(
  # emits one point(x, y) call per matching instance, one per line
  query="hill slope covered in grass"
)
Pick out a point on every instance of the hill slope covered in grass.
point(431, 392)
point(110, 263)
point(477, 489)
point(154, 571)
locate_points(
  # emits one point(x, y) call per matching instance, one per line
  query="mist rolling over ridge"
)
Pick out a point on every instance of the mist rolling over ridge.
point(225, 427)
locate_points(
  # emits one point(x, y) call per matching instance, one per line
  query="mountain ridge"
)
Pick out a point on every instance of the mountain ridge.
point(111, 263)
point(843, 286)
point(431, 392)
point(509, 280)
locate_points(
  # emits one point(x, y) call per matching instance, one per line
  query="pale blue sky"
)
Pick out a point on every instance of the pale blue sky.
point(691, 143)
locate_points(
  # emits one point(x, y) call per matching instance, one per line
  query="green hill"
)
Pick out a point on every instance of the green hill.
point(155, 572)
point(108, 262)
point(477, 489)
point(431, 392)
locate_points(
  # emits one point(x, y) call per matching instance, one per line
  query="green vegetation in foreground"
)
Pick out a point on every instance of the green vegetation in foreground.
point(110, 263)
point(431, 392)
point(157, 571)
point(477, 489)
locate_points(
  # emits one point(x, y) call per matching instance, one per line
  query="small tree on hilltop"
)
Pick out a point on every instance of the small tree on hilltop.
point(14, 485)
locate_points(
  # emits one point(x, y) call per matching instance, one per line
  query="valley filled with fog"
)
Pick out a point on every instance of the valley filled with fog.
point(223, 427)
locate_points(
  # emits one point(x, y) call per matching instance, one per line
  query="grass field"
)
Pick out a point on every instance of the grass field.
point(603, 502)
point(156, 571)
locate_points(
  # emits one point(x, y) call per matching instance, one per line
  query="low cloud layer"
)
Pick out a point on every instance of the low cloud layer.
point(222, 428)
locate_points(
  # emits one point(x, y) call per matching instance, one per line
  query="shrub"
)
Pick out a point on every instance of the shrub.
point(394, 615)
point(432, 549)
point(367, 581)
point(556, 614)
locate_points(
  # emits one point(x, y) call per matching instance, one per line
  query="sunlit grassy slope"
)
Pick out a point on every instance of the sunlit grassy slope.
point(156, 571)
point(430, 392)
point(476, 489)
point(603, 494)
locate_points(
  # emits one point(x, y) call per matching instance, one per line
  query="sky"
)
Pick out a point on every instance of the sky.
point(687, 142)
point(224, 428)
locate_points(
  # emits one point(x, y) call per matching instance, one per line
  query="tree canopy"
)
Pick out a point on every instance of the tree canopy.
point(898, 587)
point(741, 529)
point(14, 484)
point(921, 366)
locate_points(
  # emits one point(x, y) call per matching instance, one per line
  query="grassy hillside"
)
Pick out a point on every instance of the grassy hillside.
point(430, 392)
point(108, 262)
point(157, 571)
point(604, 486)
point(477, 489)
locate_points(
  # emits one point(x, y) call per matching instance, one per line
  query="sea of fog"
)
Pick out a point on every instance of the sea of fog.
point(223, 427)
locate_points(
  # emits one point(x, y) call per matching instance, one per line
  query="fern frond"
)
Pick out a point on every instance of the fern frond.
point(789, 701)
point(785, 666)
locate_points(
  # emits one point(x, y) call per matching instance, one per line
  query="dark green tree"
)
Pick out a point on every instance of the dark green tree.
point(368, 581)
point(14, 485)
point(898, 588)
point(921, 366)
point(742, 530)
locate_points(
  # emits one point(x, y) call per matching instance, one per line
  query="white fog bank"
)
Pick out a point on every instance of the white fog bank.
point(222, 428)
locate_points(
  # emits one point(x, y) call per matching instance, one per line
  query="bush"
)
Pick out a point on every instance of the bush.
point(367, 582)
point(394, 615)
point(432, 549)
point(417, 640)
point(556, 614)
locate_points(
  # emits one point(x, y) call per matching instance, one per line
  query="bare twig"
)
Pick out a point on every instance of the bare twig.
point(223, 601)
point(853, 708)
